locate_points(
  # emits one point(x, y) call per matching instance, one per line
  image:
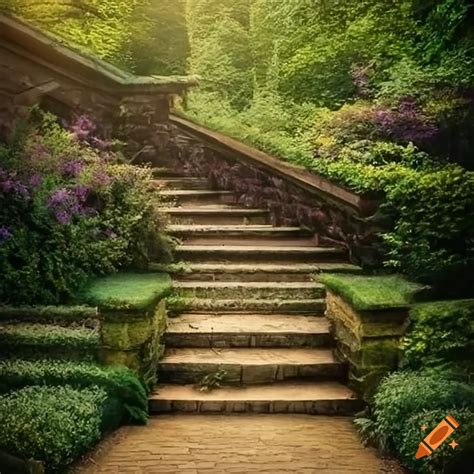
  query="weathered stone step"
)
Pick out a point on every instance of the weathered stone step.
point(266, 306)
point(233, 271)
point(164, 172)
point(246, 290)
point(241, 232)
point(210, 215)
point(257, 253)
point(248, 366)
point(315, 398)
point(196, 197)
point(181, 183)
point(247, 330)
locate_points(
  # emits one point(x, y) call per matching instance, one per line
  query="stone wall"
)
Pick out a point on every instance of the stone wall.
point(34, 69)
point(294, 196)
point(369, 342)
point(135, 340)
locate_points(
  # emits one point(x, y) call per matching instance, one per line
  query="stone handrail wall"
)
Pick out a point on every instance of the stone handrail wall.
point(295, 196)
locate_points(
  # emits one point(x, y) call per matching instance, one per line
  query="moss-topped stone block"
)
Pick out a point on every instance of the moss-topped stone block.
point(369, 316)
point(133, 310)
point(127, 292)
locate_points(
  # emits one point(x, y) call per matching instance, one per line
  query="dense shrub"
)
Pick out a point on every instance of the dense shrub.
point(47, 340)
point(441, 332)
point(407, 400)
point(120, 383)
point(69, 209)
point(54, 425)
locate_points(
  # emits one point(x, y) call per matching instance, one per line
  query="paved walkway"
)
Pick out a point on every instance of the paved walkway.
point(187, 444)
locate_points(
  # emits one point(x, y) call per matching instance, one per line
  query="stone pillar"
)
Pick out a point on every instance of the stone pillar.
point(370, 342)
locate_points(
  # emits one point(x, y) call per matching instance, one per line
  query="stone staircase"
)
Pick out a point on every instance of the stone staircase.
point(251, 311)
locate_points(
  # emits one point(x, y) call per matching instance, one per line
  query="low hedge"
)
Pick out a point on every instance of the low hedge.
point(441, 332)
point(366, 293)
point(407, 400)
point(119, 383)
point(127, 291)
point(39, 340)
point(54, 425)
point(48, 313)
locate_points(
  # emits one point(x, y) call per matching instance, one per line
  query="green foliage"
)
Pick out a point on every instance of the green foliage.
point(433, 238)
point(69, 211)
point(120, 383)
point(37, 340)
point(55, 425)
point(48, 313)
point(407, 400)
point(441, 332)
point(127, 291)
point(366, 293)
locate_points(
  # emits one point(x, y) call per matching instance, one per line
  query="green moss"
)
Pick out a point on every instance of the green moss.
point(366, 293)
point(126, 335)
point(127, 291)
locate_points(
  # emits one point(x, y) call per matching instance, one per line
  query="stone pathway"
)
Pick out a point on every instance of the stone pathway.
point(194, 444)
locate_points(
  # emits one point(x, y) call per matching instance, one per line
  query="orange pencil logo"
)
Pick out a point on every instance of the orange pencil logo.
point(437, 437)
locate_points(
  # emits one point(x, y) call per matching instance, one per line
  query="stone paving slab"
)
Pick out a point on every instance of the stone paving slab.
point(239, 444)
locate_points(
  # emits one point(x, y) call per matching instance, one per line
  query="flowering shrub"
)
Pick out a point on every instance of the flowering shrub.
point(69, 209)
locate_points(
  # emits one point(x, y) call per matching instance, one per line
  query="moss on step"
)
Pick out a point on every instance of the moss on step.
point(134, 292)
point(369, 293)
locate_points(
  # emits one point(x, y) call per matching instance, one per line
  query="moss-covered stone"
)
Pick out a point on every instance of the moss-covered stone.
point(127, 292)
point(130, 359)
point(369, 293)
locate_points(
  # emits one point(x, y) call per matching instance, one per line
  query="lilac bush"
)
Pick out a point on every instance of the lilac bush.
point(69, 209)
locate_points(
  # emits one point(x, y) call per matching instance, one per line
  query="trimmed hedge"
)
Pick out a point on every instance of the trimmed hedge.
point(127, 291)
point(407, 400)
point(440, 332)
point(48, 313)
point(54, 425)
point(39, 340)
point(366, 293)
point(120, 383)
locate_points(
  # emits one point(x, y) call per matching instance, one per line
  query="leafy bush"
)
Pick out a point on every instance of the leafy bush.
point(39, 340)
point(407, 400)
point(119, 383)
point(68, 211)
point(440, 332)
point(54, 425)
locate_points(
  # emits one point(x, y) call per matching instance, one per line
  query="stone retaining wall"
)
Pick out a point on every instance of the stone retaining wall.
point(369, 341)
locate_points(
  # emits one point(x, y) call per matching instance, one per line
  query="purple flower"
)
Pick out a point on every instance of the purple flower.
point(5, 234)
point(67, 203)
point(72, 168)
point(35, 180)
point(10, 185)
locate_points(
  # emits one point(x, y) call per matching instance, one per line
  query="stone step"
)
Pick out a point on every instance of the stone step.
point(242, 233)
point(257, 253)
point(181, 183)
point(247, 330)
point(249, 366)
point(196, 197)
point(214, 215)
point(246, 290)
point(312, 398)
point(266, 306)
point(232, 271)
point(164, 172)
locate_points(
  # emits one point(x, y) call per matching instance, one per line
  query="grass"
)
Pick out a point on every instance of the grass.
point(127, 291)
point(367, 293)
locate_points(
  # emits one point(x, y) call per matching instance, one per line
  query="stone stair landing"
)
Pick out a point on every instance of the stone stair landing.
point(250, 335)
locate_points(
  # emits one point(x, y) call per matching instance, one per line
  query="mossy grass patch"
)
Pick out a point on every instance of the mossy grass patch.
point(127, 291)
point(374, 292)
